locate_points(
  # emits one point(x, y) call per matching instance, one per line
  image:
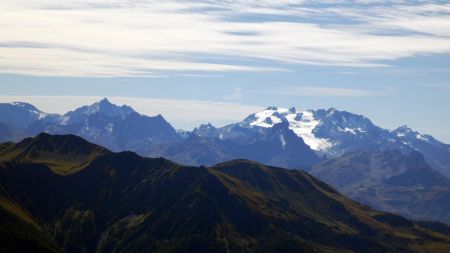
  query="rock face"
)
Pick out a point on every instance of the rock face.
point(121, 202)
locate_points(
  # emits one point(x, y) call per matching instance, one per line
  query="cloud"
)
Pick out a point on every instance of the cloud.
point(445, 86)
point(112, 38)
point(317, 91)
point(237, 94)
point(184, 114)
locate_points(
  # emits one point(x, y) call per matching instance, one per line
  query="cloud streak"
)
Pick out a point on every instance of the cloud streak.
point(318, 91)
point(154, 38)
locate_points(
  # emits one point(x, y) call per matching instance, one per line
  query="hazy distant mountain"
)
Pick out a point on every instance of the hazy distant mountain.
point(121, 202)
point(116, 127)
point(436, 152)
point(277, 146)
point(102, 107)
point(19, 115)
point(10, 133)
point(266, 136)
point(120, 128)
point(390, 181)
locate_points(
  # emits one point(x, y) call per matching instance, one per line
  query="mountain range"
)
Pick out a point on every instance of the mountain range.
point(334, 145)
point(60, 193)
point(326, 133)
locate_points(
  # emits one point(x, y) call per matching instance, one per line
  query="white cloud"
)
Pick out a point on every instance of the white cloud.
point(184, 114)
point(154, 38)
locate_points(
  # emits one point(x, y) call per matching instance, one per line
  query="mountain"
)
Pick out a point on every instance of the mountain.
point(333, 133)
point(328, 133)
point(116, 127)
point(121, 202)
point(101, 107)
point(62, 155)
point(120, 128)
point(278, 146)
point(19, 115)
point(390, 181)
point(436, 152)
point(10, 133)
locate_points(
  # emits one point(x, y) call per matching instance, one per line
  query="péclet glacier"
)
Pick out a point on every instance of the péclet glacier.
point(301, 122)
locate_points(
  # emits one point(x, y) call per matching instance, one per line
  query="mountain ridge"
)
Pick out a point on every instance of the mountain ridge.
point(122, 202)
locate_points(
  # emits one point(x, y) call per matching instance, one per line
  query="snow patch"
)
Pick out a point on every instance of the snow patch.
point(283, 141)
point(64, 120)
point(109, 128)
point(422, 137)
point(266, 118)
point(302, 123)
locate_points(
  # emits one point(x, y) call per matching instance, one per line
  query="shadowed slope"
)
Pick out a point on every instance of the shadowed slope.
point(121, 202)
point(390, 181)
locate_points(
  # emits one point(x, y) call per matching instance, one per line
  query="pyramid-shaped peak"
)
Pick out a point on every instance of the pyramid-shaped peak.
point(105, 101)
point(403, 130)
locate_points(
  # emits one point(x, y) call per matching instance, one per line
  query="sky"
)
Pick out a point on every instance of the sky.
point(218, 61)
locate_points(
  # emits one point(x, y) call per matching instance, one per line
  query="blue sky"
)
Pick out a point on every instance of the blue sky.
point(199, 61)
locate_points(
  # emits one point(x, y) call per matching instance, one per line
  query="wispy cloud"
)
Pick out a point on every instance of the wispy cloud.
point(236, 94)
point(445, 86)
point(184, 114)
point(159, 38)
point(318, 91)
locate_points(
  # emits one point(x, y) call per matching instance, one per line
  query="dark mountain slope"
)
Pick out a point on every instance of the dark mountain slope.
point(121, 202)
point(17, 235)
point(390, 181)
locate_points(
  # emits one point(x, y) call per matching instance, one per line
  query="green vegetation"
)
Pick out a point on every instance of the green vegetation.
point(121, 202)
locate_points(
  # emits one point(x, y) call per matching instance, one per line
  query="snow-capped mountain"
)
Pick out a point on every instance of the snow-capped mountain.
point(103, 106)
point(333, 132)
point(20, 115)
point(301, 122)
point(115, 127)
point(328, 132)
